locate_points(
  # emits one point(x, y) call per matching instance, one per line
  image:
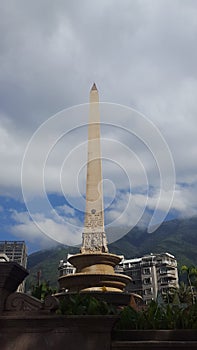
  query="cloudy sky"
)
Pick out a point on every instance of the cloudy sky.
point(142, 55)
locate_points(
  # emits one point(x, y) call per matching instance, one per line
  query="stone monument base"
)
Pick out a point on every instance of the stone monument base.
point(94, 272)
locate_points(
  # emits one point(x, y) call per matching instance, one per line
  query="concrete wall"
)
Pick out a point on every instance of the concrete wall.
point(52, 332)
point(26, 323)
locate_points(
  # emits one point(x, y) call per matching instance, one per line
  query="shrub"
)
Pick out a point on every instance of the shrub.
point(159, 316)
point(80, 304)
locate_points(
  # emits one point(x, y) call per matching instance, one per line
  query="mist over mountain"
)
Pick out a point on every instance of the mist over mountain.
point(178, 237)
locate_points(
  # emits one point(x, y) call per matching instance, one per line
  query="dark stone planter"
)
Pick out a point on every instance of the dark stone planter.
point(11, 275)
point(114, 298)
point(177, 334)
point(154, 339)
point(48, 332)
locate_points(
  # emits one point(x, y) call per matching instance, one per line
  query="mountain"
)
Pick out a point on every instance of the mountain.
point(178, 237)
point(46, 262)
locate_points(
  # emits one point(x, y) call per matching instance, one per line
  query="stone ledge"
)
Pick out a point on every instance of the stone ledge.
point(155, 335)
point(153, 344)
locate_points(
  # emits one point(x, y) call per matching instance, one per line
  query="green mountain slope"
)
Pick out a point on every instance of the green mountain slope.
point(46, 262)
point(178, 237)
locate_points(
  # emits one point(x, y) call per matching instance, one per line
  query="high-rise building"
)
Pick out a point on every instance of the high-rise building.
point(15, 251)
point(151, 274)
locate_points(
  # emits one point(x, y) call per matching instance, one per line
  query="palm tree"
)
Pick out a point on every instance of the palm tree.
point(181, 295)
point(185, 294)
point(191, 272)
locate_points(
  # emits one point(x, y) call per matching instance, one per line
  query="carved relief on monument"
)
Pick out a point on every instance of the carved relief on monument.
point(26, 303)
point(94, 243)
point(94, 221)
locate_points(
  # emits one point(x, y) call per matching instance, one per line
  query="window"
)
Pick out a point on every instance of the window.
point(148, 291)
point(147, 280)
point(134, 273)
point(164, 280)
point(146, 271)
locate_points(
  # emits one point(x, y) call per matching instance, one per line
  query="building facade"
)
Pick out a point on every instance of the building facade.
point(15, 251)
point(65, 268)
point(151, 274)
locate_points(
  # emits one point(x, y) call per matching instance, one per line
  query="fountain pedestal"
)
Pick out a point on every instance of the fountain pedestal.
point(94, 272)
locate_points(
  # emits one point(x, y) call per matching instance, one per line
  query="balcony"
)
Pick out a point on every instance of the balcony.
point(166, 262)
point(169, 283)
point(168, 273)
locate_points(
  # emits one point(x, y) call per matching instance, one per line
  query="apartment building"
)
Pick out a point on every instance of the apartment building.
point(15, 251)
point(151, 274)
point(65, 268)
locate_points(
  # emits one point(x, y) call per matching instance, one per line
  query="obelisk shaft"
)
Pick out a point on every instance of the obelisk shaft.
point(94, 238)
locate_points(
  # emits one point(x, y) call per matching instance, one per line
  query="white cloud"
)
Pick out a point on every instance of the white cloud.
point(140, 53)
point(130, 210)
point(46, 229)
point(65, 209)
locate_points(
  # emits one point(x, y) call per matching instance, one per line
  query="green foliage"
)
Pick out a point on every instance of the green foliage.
point(191, 272)
point(182, 295)
point(130, 319)
point(155, 316)
point(80, 304)
point(40, 291)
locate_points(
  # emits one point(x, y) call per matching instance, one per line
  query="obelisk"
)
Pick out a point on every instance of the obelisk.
point(94, 264)
point(94, 238)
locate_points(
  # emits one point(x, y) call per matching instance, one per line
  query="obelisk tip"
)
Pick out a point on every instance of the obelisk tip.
point(94, 87)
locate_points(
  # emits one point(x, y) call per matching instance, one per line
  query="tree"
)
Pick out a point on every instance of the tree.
point(191, 272)
point(41, 290)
